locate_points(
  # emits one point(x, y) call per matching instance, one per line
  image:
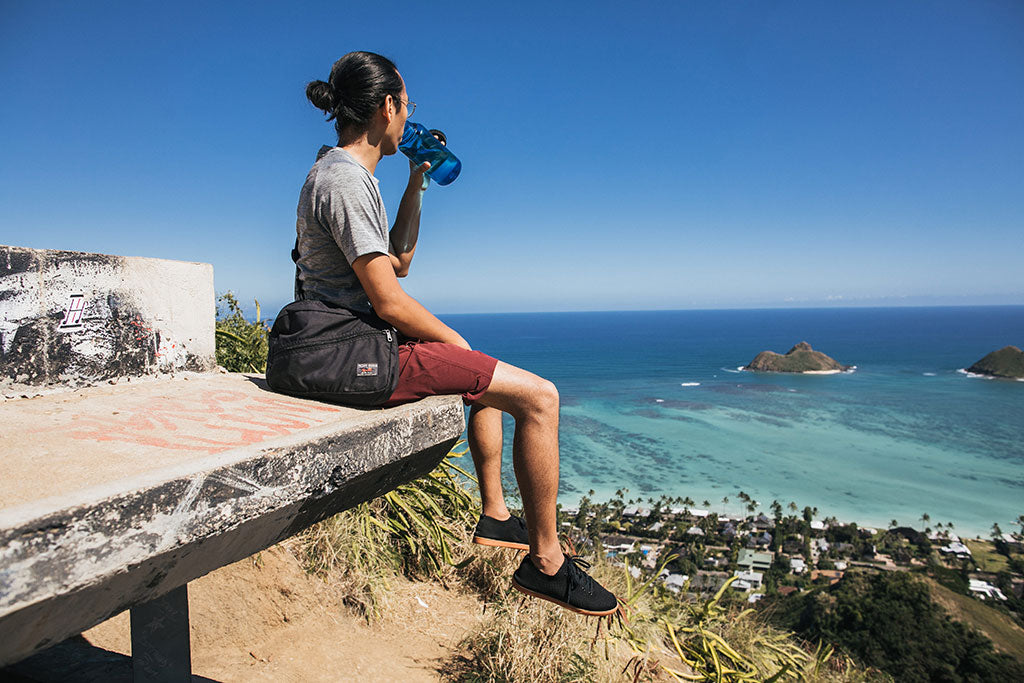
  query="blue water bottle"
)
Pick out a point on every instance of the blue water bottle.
point(420, 145)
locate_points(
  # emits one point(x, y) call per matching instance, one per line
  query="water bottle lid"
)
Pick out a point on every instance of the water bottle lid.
point(439, 135)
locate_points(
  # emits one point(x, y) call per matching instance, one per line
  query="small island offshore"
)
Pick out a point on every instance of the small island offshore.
point(1007, 363)
point(801, 358)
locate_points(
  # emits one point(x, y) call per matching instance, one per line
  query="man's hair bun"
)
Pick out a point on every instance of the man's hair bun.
point(322, 96)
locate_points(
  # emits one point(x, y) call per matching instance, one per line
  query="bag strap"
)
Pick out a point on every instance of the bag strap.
point(298, 282)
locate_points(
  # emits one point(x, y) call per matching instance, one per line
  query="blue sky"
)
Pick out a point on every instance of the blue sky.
point(615, 155)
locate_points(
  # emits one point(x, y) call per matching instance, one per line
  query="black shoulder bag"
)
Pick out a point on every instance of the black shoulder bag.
point(324, 351)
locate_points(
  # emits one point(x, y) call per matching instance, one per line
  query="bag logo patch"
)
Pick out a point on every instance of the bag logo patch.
point(366, 370)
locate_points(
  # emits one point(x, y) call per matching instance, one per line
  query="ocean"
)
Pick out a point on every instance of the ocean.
point(653, 402)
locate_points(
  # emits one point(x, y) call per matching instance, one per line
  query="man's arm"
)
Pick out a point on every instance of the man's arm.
point(406, 230)
point(391, 303)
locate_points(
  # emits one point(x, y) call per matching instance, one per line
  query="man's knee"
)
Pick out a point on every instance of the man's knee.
point(544, 396)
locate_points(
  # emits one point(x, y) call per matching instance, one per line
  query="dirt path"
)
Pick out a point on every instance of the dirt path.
point(269, 621)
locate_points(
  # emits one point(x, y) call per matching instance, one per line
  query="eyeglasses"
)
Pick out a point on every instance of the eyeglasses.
point(410, 105)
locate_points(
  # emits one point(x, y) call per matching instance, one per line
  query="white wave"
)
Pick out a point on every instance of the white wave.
point(929, 374)
point(690, 384)
point(739, 369)
point(963, 371)
point(659, 400)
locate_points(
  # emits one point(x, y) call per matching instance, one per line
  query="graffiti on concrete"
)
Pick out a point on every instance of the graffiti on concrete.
point(209, 422)
point(72, 319)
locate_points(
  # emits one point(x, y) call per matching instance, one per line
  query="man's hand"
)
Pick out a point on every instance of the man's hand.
point(418, 175)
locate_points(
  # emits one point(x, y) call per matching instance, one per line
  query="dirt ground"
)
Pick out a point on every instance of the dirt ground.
point(265, 619)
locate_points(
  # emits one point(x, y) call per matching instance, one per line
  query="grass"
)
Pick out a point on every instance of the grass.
point(985, 555)
point(1007, 636)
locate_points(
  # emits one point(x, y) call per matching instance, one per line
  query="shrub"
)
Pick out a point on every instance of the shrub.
point(241, 345)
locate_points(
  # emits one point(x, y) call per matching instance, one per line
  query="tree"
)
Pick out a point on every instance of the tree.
point(888, 621)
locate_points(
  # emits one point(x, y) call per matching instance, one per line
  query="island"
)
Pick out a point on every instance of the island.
point(801, 358)
point(1007, 362)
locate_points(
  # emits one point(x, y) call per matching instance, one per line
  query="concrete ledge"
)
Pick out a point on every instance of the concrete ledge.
point(71, 319)
point(122, 493)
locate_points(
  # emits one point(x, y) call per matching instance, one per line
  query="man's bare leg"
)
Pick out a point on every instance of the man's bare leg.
point(533, 402)
point(485, 444)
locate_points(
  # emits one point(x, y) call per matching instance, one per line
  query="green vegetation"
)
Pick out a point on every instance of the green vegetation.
point(417, 529)
point(986, 557)
point(1006, 362)
point(889, 621)
point(800, 358)
point(1007, 636)
point(241, 345)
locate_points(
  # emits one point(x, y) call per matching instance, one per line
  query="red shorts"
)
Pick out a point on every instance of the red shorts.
point(435, 368)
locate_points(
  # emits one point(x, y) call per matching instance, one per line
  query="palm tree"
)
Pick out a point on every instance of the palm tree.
point(792, 506)
point(925, 518)
point(893, 524)
point(707, 504)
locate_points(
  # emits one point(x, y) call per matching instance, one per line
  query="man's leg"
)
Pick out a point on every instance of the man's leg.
point(485, 444)
point(533, 402)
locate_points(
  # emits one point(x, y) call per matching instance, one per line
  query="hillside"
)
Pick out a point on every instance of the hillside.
point(801, 358)
point(1007, 362)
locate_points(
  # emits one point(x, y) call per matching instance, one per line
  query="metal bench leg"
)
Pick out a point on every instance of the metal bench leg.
point(160, 643)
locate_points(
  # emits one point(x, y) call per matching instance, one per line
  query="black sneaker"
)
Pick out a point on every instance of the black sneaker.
point(510, 533)
point(571, 587)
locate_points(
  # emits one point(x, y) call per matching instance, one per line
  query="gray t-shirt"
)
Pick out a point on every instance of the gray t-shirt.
point(340, 217)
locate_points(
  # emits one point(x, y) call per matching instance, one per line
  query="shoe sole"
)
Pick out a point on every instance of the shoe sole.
point(578, 610)
point(480, 540)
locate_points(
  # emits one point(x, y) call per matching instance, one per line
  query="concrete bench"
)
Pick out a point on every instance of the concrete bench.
point(117, 493)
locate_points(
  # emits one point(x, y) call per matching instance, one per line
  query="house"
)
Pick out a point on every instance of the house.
point(762, 523)
point(957, 549)
point(1015, 542)
point(747, 580)
point(762, 540)
point(797, 565)
point(694, 531)
point(635, 511)
point(750, 560)
point(675, 582)
point(728, 529)
point(708, 582)
point(840, 565)
point(793, 544)
point(615, 545)
point(831, 575)
point(754, 597)
point(656, 527)
point(817, 525)
point(985, 590)
point(786, 591)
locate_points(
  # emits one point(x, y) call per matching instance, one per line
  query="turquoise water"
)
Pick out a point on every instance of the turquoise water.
point(653, 402)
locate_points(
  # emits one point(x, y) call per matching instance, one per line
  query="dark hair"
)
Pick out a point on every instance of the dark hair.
point(358, 84)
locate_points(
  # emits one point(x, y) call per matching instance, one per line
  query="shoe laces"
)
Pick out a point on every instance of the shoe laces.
point(577, 575)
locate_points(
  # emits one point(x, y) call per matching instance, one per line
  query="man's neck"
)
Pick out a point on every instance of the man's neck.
point(365, 153)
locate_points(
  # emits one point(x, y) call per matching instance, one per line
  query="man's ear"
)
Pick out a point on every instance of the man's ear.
point(388, 108)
